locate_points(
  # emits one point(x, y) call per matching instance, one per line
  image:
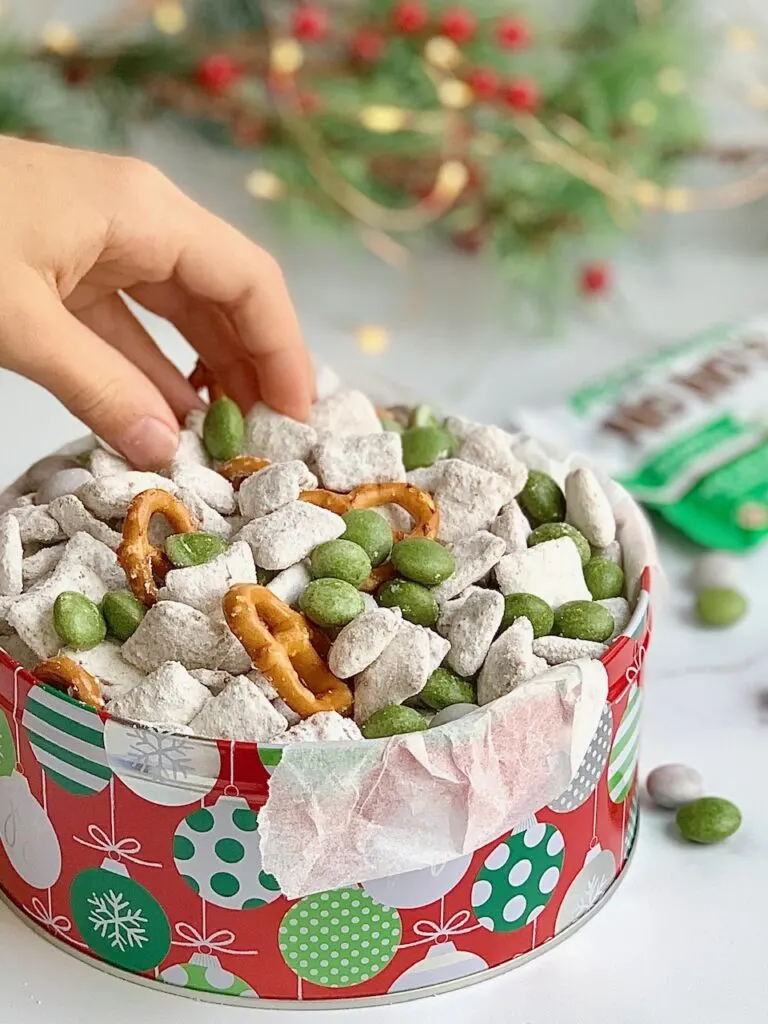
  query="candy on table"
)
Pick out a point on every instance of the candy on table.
point(208, 485)
point(553, 531)
point(44, 561)
point(512, 526)
point(344, 413)
point(11, 557)
point(273, 487)
point(551, 571)
point(240, 712)
point(710, 819)
point(475, 556)
point(400, 672)
point(284, 537)
point(204, 586)
point(37, 523)
point(588, 507)
point(108, 497)
point(278, 438)
point(715, 569)
point(169, 694)
point(469, 497)
point(291, 583)
point(489, 448)
point(673, 785)
point(71, 516)
point(557, 650)
point(720, 607)
point(344, 463)
point(171, 631)
point(66, 481)
point(510, 661)
point(325, 727)
point(471, 629)
point(107, 664)
point(362, 640)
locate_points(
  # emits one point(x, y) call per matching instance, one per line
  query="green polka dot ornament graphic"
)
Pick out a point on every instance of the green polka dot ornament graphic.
point(217, 852)
point(7, 747)
point(623, 761)
point(591, 768)
point(340, 938)
point(204, 973)
point(588, 886)
point(27, 835)
point(119, 920)
point(632, 822)
point(518, 877)
point(67, 739)
point(442, 963)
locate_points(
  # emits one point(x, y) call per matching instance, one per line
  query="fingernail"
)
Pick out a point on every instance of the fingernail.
point(150, 443)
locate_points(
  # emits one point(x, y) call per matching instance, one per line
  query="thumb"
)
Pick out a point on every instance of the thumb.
point(43, 341)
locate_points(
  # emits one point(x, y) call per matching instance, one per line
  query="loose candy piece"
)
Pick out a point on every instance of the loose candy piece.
point(187, 549)
point(331, 602)
point(344, 463)
point(422, 446)
point(65, 674)
point(78, 621)
point(588, 507)
point(552, 531)
point(341, 560)
point(604, 579)
point(370, 531)
point(583, 620)
point(393, 721)
point(423, 560)
point(123, 613)
point(445, 688)
point(673, 785)
point(538, 613)
point(551, 571)
point(541, 499)
point(362, 640)
point(416, 602)
point(715, 569)
point(223, 429)
point(451, 714)
point(710, 819)
point(720, 606)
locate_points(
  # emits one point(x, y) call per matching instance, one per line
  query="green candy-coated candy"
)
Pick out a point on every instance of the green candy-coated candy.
point(223, 429)
point(541, 499)
point(78, 621)
point(604, 578)
point(330, 602)
point(720, 606)
point(415, 602)
point(710, 819)
point(424, 445)
point(554, 531)
point(370, 531)
point(391, 426)
point(423, 416)
point(444, 688)
point(122, 612)
point(531, 607)
point(391, 721)
point(583, 620)
point(423, 560)
point(340, 560)
point(185, 549)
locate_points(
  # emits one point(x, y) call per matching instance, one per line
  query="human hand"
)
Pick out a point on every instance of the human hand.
point(77, 229)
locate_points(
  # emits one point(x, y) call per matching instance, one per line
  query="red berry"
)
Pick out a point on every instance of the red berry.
point(368, 45)
point(521, 94)
point(484, 82)
point(595, 278)
point(310, 22)
point(513, 34)
point(458, 24)
point(410, 16)
point(218, 73)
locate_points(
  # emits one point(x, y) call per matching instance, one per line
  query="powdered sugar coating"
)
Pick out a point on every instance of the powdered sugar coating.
point(288, 535)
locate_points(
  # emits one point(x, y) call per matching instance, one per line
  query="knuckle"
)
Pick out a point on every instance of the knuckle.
point(138, 177)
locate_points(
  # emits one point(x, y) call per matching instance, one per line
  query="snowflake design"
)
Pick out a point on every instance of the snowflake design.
point(114, 919)
point(595, 888)
point(158, 756)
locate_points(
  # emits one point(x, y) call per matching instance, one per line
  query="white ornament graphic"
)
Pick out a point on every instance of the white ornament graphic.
point(591, 768)
point(114, 919)
point(27, 835)
point(442, 963)
point(588, 886)
point(418, 888)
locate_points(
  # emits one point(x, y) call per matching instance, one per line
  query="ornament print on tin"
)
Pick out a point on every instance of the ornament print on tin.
point(7, 747)
point(442, 963)
point(591, 768)
point(418, 888)
point(27, 834)
point(623, 761)
point(204, 973)
point(587, 887)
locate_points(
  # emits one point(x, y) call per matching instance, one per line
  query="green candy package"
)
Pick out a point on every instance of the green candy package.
point(685, 430)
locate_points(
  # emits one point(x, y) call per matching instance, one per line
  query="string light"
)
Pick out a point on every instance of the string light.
point(741, 39)
point(644, 113)
point(263, 184)
point(676, 200)
point(454, 94)
point(383, 120)
point(169, 17)
point(59, 38)
point(756, 95)
point(671, 81)
point(373, 339)
point(286, 56)
point(442, 53)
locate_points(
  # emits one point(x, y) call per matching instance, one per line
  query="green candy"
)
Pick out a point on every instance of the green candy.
point(223, 429)
point(122, 613)
point(528, 606)
point(391, 426)
point(720, 606)
point(340, 560)
point(583, 620)
point(415, 602)
point(78, 621)
point(186, 549)
point(391, 721)
point(370, 531)
point(423, 560)
point(423, 416)
point(710, 819)
point(330, 602)
point(444, 688)
point(554, 531)
point(541, 499)
point(424, 445)
point(604, 578)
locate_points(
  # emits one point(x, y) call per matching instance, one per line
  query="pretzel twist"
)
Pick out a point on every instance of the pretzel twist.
point(279, 642)
point(65, 674)
point(240, 467)
point(142, 561)
point(202, 378)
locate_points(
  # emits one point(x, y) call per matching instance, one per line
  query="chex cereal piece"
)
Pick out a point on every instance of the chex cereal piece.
point(362, 640)
point(556, 650)
point(460, 427)
point(343, 414)
point(489, 447)
point(73, 517)
point(291, 717)
point(107, 663)
point(240, 712)
point(475, 557)
point(450, 609)
point(286, 536)
point(399, 520)
point(44, 468)
point(195, 420)
point(208, 485)
point(438, 648)
point(6, 603)
point(369, 602)
point(512, 526)
point(83, 549)
point(213, 679)
point(108, 497)
point(510, 662)
point(11, 556)
point(327, 382)
point(347, 462)
point(427, 477)
point(263, 683)
point(37, 523)
point(209, 520)
point(204, 586)
point(472, 630)
point(34, 567)
point(190, 451)
point(32, 613)
point(469, 497)
point(588, 507)
point(66, 481)
point(551, 571)
point(621, 612)
point(325, 727)
point(169, 695)
point(399, 672)
point(290, 584)
point(274, 486)
point(177, 632)
point(278, 438)
point(19, 651)
point(104, 463)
